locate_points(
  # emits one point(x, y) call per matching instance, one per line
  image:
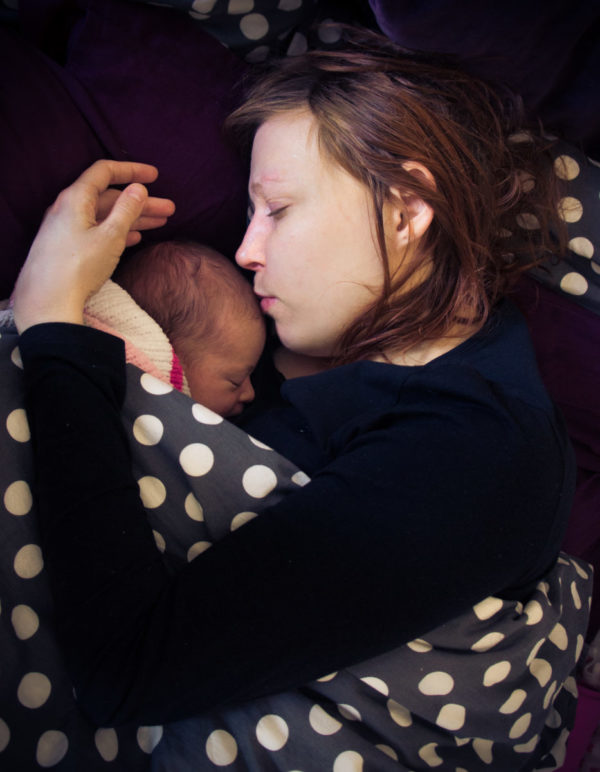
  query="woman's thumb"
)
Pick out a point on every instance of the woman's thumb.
point(126, 210)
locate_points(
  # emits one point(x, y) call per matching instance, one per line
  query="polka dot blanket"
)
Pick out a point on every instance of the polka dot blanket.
point(488, 691)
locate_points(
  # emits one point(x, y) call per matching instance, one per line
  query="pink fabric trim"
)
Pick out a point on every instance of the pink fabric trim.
point(176, 373)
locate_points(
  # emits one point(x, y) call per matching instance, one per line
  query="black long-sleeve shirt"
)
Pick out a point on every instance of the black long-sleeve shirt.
point(432, 487)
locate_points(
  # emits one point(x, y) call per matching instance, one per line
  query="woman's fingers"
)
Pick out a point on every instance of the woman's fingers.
point(155, 213)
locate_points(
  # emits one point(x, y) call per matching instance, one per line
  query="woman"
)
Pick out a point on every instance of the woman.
point(381, 187)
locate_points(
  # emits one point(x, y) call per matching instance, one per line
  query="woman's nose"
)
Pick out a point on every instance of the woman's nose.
point(250, 254)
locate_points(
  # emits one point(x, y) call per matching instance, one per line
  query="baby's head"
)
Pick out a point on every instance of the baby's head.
point(209, 313)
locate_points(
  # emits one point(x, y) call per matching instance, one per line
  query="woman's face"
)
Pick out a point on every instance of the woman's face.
point(311, 241)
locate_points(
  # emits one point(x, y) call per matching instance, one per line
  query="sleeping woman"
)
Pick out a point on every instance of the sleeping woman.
point(408, 607)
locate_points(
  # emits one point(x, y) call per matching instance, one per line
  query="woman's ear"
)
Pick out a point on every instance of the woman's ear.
point(408, 215)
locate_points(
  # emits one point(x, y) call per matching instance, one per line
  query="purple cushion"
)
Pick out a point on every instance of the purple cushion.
point(137, 82)
point(567, 340)
point(547, 50)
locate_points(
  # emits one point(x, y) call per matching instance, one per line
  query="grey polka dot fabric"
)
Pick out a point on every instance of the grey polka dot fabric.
point(484, 691)
point(578, 274)
point(215, 479)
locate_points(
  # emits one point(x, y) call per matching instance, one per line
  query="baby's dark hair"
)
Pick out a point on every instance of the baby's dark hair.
point(190, 290)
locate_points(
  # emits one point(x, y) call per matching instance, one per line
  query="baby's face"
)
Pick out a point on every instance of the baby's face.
point(220, 379)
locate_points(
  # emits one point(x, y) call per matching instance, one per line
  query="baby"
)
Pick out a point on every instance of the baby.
point(208, 312)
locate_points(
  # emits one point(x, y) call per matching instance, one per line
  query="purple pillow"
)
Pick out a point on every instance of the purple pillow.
point(137, 83)
point(546, 50)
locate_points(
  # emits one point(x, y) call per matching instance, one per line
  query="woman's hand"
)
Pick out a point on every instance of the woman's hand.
point(81, 239)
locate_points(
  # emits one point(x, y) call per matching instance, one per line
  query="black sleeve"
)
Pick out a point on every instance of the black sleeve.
point(384, 544)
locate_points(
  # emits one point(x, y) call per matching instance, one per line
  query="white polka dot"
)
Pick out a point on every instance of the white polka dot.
point(148, 737)
point(24, 621)
point(419, 645)
point(301, 479)
point(298, 45)
point(17, 498)
point(570, 685)
point(541, 670)
point(259, 481)
point(553, 719)
point(159, 540)
point(34, 689)
point(451, 717)
point(582, 246)
point(549, 695)
point(496, 673)
point(153, 385)
point(559, 637)
point(487, 608)
point(575, 595)
point(329, 32)
point(237, 7)
point(241, 519)
point(254, 26)
point(289, 5)
point(488, 642)
point(428, 753)
point(197, 549)
point(4, 734)
point(514, 702)
point(460, 741)
point(328, 677)
point(377, 684)
point(534, 612)
point(152, 492)
point(196, 459)
point(203, 6)
point(534, 651)
point(28, 561)
point(574, 283)
point(595, 267)
point(399, 714)
point(148, 429)
point(580, 571)
point(348, 761)
point(527, 180)
point(17, 425)
point(388, 751)
point(520, 726)
point(527, 747)
point(322, 722)
point(258, 54)
point(272, 732)
point(258, 443)
point(221, 748)
point(579, 647)
point(566, 167)
point(483, 748)
point(570, 209)
point(193, 508)
point(520, 136)
point(107, 743)
point(51, 748)
point(206, 416)
point(528, 221)
point(349, 712)
point(15, 358)
point(436, 683)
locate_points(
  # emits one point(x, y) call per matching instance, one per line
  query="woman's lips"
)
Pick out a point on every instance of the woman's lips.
point(266, 303)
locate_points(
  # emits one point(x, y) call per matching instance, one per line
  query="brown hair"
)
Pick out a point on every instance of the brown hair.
point(192, 291)
point(378, 106)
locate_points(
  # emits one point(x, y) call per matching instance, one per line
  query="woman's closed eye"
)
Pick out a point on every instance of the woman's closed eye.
point(277, 212)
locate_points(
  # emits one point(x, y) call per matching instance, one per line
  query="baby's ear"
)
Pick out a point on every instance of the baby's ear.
point(408, 215)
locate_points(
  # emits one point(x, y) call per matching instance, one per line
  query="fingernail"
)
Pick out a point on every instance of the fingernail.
point(137, 191)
